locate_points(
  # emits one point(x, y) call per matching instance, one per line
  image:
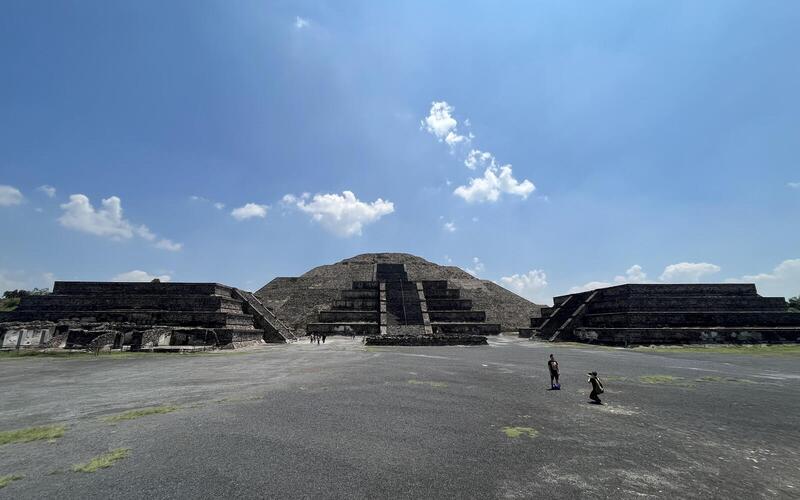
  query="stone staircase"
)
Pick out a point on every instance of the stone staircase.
point(666, 313)
point(149, 313)
point(392, 305)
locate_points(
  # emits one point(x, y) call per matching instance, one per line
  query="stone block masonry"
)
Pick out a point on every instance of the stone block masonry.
point(144, 315)
point(667, 314)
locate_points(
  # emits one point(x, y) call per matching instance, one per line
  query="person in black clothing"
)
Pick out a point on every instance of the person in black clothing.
point(597, 388)
point(324, 337)
point(552, 365)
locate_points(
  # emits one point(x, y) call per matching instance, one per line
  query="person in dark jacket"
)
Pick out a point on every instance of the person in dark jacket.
point(597, 388)
point(552, 365)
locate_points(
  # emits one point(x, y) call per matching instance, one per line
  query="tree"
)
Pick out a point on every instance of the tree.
point(794, 304)
point(16, 294)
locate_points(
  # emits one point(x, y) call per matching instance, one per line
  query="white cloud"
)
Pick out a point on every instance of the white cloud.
point(169, 245)
point(16, 280)
point(529, 285)
point(477, 267)
point(442, 125)
point(140, 276)
point(477, 158)
point(249, 210)
point(343, 215)
point(50, 191)
point(634, 274)
point(783, 281)
point(108, 221)
point(793, 185)
point(10, 195)
point(688, 272)
point(301, 23)
point(450, 227)
point(219, 206)
point(495, 181)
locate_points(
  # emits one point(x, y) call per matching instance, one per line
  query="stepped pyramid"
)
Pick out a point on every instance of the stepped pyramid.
point(298, 300)
point(144, 314)
point(667, 313)
point(391, 304)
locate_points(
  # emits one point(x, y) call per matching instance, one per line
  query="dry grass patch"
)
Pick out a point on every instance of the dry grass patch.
point(32, 434)
point(515, 432)
point(6, 480)
point(142, 412)
point(428, 383)
point(103, 461)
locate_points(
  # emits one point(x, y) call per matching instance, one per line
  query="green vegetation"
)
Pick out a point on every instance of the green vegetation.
point(142, 412)
point(6, 480)
point(428, 383)
point(32, 434)
point(794, 304)
point(714, 378)
point(746, 349)
point(515, 432)
point(9, 304)
point(103, 461)
point(664, 379)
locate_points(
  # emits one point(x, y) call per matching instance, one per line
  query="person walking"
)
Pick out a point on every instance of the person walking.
point(311, 336)
point(552, 365)
point(597, 388)
point(324, 337)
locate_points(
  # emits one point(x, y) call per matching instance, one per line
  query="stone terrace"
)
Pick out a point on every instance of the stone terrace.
point(656, 313)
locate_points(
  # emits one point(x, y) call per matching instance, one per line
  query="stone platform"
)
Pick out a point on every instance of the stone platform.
point(664, 314)
point(140, 316)
point(392, 306)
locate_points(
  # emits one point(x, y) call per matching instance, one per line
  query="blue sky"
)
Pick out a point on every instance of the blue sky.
point(610, 142)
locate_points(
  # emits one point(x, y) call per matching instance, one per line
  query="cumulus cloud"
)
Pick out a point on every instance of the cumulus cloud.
point(219, 206)
point(793, 185)
point(783, 281)
point(634, 274)
point(216, 204)
point(442, 125)
point(477, 267)
point(9, 196)
point(107, 221)
point(50, 191)
point(301, 23)
point(495, 182)
point(15, 280)
point(688, 272)
point(341, 214)
point(141, 276)
point(530, 285)
point(683, 272)
point(249, 211)
point(168, 245)
point(450, 227)
point(477, 158)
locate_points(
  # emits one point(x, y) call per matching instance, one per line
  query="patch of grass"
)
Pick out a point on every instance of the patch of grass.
point(738, 349)
point(613, 378)
point(103, 461)
point(664, 379)
point(428, 383)
point(6, 480)
point(7, 305)
point(32, 434)
point(515, 432)
point(714, 378)
point(141, 412)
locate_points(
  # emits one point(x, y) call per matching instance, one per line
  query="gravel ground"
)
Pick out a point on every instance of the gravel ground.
point(346, 421)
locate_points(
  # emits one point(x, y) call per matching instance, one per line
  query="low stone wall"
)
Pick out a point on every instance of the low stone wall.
point(426, 340)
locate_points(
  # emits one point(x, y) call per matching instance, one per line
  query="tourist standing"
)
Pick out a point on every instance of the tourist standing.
point(597, 388)
point(324, 337)
point(552, 365)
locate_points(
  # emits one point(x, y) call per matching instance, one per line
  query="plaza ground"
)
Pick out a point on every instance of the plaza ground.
point(343, 420)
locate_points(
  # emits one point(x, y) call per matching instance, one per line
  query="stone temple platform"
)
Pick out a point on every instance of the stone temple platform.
point(391, 309)
point(140, 316)
point(667, 314)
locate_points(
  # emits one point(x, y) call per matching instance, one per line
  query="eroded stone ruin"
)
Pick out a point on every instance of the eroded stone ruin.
point(134, 316)
point(391, 309)
point(667, 314)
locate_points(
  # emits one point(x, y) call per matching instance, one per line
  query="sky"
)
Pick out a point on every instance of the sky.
point(547, 146)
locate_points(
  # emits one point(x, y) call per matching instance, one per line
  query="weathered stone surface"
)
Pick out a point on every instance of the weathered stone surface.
point(666, 313)
point(298, 300)
point(426, 340)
